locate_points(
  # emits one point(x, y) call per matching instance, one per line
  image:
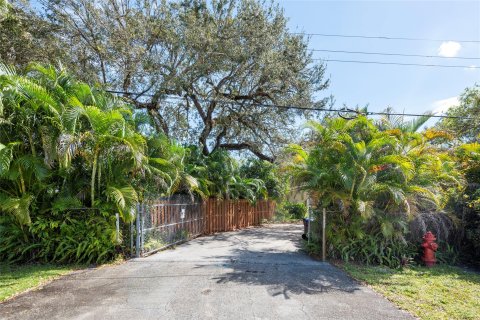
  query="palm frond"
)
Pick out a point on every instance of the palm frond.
point(6, 157)
point(6, 70)
point(19, 208)
point(125, 199)
point(66, 203)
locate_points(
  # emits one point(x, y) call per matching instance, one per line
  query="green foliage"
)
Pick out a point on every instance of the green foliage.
point(168, 171)
point(295, 211)
point(13, 240)
point(373, 180)
point(26, 36)
point(467, 204)
point(63, 146)
point(82, 237)
point(447, 254)
point(71, 237)
point(17, 207)
point(268, 172)
point(469, 107)
point(230, 58)
point(222, 176)
point(376, 249)
point(312, 247)
point(290, 211)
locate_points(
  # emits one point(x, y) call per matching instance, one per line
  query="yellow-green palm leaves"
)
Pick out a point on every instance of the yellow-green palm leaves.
point(358, 168)
point(373, 179)
point(61, 139)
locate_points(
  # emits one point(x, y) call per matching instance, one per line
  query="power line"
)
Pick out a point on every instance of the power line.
point(343, 110)
point(381, 37)
point(398, 63)
point(393, 54)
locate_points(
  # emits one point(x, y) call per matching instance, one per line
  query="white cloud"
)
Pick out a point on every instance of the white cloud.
point(449, 49)
point(441, 106)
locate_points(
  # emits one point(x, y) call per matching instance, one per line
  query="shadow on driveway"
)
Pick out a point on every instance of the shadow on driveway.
point(258, 273)
point(283, 275)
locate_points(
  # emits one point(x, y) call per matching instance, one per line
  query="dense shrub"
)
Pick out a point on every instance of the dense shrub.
point(267, 172)
point(373, 180)
point(65, 145)
point(467, 204)
point(222, 176)
point(295, 210)
point(72, 237)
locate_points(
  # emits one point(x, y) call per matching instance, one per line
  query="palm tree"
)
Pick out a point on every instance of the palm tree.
point(62, 120)
point(347, 166)
point(27, 108)
point(375, 179)
point(392, 122)
point(65, 146)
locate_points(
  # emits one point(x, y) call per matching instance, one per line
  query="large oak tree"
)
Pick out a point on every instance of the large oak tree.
point(205, 71)
point(25, 36)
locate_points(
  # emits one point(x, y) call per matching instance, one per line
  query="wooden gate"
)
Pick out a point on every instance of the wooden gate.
point(168, 221)
point(226, 215)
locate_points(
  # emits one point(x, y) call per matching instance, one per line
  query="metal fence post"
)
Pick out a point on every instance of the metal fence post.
point(117, 225)
point(324, 242)
point(142, 226)
point(137, 223)
point(182, 217)
point(131, 238)
point(309, 220)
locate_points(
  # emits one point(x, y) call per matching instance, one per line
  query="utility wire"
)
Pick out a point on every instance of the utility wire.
point(393, 54)
point(398, 63)
point(381, 37)
point(343, 110)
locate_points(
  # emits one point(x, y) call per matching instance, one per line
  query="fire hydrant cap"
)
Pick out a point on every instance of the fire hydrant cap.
point(429, 236)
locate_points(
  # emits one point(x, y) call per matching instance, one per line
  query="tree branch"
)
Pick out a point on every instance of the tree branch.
point(247, 146)
point(219, 138)
point(158, 120)
point(198, 106)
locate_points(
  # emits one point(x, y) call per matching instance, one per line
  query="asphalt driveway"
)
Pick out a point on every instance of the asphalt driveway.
point(257, 273)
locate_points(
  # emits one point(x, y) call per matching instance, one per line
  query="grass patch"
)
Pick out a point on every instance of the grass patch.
point(15, 279)
point(442, 292)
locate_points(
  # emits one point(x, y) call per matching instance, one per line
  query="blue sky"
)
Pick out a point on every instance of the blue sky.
point(411, 89)
point(405, 88)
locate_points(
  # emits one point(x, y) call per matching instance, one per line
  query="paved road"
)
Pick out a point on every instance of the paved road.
point(256, 273)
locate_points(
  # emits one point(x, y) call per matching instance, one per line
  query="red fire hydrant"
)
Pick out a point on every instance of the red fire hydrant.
point(429, 248)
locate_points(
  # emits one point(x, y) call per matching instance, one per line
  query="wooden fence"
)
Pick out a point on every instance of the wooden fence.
point(227, 215)
point(165, 222)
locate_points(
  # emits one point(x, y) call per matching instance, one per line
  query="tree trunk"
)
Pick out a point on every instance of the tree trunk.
point(159, 121)
point(94, 172)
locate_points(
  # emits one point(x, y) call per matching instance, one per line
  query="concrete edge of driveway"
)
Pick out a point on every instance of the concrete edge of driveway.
point(337, 265)
point(264, 265)
point(77, 270)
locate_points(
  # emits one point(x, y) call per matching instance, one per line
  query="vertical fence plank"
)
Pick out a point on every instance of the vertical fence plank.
point(161, 219)
point(223, 226)
point(226, 215)
point(205, 216)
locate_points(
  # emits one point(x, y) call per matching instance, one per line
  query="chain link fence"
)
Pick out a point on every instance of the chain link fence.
point(167, 221)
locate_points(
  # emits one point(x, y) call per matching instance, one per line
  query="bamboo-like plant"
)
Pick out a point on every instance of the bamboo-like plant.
point(375, 179)
point(64, 147)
